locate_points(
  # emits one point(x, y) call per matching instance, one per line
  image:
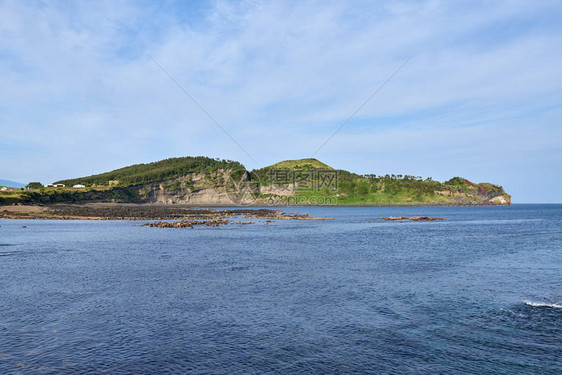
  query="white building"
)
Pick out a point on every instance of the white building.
point(79, 186)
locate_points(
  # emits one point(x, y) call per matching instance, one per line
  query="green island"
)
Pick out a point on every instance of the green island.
point(206, 181)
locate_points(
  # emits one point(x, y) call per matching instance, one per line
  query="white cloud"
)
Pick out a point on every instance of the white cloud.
point(77, 77)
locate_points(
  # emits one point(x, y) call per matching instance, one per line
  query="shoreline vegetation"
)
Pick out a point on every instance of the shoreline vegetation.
point(202, 181)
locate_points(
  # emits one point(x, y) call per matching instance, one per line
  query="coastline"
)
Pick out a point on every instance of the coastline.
point(152, 211)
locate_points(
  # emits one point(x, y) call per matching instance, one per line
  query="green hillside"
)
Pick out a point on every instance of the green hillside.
point(314, 181)
point(139, 174)
point(353, 189)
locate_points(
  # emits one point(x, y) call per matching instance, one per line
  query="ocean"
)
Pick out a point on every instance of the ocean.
point(477, 293)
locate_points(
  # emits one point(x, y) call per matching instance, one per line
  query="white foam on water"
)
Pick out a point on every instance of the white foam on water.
point(543, 304)
point(513, 313)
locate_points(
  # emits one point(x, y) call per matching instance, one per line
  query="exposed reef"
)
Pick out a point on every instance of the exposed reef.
point(413, 218)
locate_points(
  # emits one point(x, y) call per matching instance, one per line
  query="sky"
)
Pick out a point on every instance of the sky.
point(479, 96)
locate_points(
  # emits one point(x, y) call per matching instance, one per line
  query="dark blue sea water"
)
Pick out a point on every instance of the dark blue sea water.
point(478, 293)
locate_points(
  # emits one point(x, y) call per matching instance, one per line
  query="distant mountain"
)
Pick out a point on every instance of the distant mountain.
point(13, 184)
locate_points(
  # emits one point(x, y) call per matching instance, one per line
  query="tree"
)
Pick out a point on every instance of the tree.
point(362, 188)
point(34, 185)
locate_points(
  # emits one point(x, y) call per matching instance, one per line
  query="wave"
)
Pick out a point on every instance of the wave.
point(543, 304)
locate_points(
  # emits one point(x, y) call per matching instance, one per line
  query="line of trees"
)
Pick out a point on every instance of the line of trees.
point(157, 171)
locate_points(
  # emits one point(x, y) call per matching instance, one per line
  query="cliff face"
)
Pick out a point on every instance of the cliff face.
point(501, 200)
point(196, 188)
point(217, 188)
point(475, 198)
point(156, 193)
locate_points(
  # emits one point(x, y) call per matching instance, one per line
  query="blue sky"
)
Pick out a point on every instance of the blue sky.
point(481, 98)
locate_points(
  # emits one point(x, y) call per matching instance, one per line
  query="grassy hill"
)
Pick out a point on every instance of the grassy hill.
point(403, 190)
point(300, 164)
point(311, 181)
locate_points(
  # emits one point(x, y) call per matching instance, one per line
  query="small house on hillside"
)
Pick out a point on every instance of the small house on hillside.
point(79, 186)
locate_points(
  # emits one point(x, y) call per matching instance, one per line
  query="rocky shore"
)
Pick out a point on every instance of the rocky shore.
point(143, 212)
point(413, 218)
point(186, 223)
